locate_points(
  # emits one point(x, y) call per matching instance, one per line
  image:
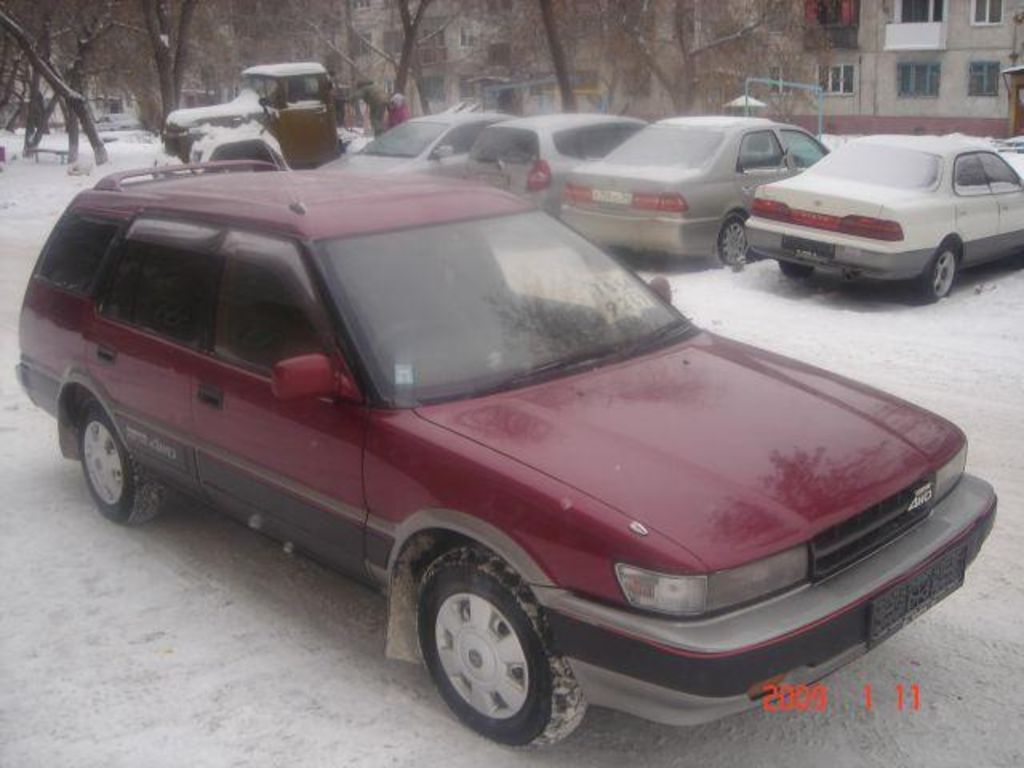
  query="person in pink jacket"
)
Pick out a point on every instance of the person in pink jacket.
point(398, 110)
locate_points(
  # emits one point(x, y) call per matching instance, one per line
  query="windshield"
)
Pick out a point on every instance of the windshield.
point(405, 140)
point(460, 309)
point(878, 164)
point(660, 145)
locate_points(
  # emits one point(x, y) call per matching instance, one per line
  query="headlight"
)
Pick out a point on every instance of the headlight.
point(948, 475)
point(692, 595)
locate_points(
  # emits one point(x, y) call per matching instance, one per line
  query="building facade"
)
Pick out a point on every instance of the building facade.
point(914, 66)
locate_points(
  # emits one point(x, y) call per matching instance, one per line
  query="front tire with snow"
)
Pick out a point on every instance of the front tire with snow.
point(486, 644)
point(120, 491)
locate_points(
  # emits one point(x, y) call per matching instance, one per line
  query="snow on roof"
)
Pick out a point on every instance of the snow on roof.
point(289, 69)
point(746, 101)
point(245, 104)
point(1012, 70)
point(714, 121)
point(936, 145)
point(569, 120)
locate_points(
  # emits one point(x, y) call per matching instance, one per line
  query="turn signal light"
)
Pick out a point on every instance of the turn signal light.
point(539, 177)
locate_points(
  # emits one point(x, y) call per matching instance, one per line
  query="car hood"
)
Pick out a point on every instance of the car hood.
point(732, 452)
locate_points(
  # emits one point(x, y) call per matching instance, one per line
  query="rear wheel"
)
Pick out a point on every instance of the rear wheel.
point(796, 271)
point(732, 242)
point(938, 278)
point(121, 493)
point(484, 640)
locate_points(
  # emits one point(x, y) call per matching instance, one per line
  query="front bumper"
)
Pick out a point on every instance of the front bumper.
point(684, 672)
point(852, 259)
point(661, 234)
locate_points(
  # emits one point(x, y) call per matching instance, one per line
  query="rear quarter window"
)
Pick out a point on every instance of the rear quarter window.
point(75, 252)
point(510, 145)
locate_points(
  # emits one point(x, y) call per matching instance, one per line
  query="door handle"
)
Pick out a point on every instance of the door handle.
point(105, 353)
point(208, 394)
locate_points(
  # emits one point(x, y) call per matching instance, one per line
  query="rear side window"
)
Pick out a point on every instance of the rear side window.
point(969, 176)
point(166, 289)
point(75, 252)
point(759, 150)
point(594, 142)
point(268, 310)
point(510, 145)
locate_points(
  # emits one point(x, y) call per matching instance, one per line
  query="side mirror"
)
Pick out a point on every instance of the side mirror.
point(662, 287)
point(308, 376)
point(443, 151)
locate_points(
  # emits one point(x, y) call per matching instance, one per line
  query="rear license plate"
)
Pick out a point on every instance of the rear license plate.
point(611, 196)
point(906, 601)
point(809, 250)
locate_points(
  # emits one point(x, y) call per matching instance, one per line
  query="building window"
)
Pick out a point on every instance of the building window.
point(983, 79)
point(987, 12)
point(467, 38)
point(916, 80)
point(358, 5)
point(833, 13)
point(837, 79)
point(921, 11)
point(360, 42)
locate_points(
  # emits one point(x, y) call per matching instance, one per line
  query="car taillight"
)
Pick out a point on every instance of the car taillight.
point(539, 177)
point(665, 203)
point(770, 209)
point(876, 229)
point(574, 193)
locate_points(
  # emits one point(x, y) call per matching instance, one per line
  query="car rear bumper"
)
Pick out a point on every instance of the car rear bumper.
point(671, 235)
point(688, 672)
point(850, 260)
point(41, 388)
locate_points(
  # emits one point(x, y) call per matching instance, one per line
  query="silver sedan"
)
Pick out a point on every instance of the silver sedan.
point(683, 186)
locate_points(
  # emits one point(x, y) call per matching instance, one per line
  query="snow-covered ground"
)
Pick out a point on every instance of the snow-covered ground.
point(192, 641)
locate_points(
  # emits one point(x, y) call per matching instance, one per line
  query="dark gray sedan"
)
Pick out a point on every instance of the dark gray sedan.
point(683, 186)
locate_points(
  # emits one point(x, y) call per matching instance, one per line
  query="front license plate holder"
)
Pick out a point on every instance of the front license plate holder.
point(809, 250)
point(901, 604)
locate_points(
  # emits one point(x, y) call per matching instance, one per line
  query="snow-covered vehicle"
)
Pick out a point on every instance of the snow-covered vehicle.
point(282, 109)
point(894, 208)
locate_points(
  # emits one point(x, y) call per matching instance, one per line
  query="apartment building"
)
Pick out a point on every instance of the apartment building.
point(913, 66)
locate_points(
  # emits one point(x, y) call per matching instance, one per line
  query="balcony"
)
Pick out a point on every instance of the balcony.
point(832, 37)
point(916, 36)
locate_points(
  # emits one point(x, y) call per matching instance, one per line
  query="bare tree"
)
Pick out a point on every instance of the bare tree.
point(168, 33)
point(558, 61)
point(75, 100)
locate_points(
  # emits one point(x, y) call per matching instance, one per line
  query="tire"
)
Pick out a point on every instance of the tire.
point(731, 243)
point(121, 492)
point(796, 271)
point(938, 278)
point(475, 614)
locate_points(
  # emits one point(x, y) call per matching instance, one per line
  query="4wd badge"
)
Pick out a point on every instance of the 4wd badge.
point(921, 496)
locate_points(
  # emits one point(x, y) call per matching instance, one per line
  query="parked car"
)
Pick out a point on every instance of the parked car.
point(569, 493)
point(436, 144)
point(683, 186)
point(532, 156)
point(894, 208)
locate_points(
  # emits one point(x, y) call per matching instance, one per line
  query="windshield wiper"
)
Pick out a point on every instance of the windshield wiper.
point(659, 338)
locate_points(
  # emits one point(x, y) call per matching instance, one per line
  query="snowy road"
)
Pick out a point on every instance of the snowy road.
point(192, 641)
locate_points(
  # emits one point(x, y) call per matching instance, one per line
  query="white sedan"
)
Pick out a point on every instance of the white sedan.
point(893, 208)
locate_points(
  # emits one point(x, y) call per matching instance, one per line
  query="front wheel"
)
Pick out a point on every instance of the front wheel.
point(937, 280)
point(732, 242)
point(483, 638)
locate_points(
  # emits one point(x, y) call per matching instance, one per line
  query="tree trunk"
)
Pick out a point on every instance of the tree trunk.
point(71, 123)
point(558, 56)
point(170, 62)
point(74, 99)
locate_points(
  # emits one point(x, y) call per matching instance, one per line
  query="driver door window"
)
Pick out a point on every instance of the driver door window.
point(760, 151)
point(267, 304)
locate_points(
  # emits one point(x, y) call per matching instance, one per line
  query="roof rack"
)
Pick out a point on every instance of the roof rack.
point(115, 181)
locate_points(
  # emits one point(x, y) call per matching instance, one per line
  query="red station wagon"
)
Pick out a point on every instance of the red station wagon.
point(569, 493)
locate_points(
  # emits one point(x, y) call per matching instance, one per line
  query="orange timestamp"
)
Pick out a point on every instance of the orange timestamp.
point(786, 697)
